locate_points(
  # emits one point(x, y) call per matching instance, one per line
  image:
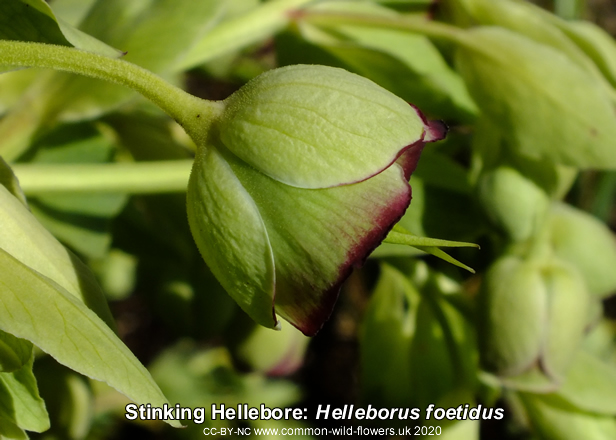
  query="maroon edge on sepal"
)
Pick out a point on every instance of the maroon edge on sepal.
point(356, 258)
point(408, 155)
point(407, 159)
point(434, 131)
point(410, 158)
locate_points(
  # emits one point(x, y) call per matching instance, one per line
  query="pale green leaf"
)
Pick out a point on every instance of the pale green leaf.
point(251, 27)
point(385, 339)
point(23, 237)
point(14, 352)
point(33, 20)
point(153, 33)
point(401, 236)
point(20, 402)
point(36, 308)
point(10, 182)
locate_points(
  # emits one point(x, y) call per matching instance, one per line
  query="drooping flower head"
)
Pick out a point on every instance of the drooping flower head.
point(302, 176)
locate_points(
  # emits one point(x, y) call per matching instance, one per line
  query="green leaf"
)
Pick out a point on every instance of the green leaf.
point(25, 239)
point(401, 236)
point(14, 352)
point(154, 34)
point(385, 339)
point(68, 397)
point(253, 26)
point(10, 182)
point(41, 311)
point(197, 377)
point(568, 119)
point(33, 20)
point(20, 402)
point(10, 431)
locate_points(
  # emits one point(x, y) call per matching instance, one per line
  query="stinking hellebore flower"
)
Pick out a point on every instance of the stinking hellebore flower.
point(302, 175)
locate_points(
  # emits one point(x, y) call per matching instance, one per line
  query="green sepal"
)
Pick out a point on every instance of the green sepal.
point(319, 236)
point(318, 126)
point(231, 235)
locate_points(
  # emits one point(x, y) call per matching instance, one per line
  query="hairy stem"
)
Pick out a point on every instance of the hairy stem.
point(193, 113)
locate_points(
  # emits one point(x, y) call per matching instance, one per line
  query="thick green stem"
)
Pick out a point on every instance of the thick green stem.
point(134, 178)
point(193, 113)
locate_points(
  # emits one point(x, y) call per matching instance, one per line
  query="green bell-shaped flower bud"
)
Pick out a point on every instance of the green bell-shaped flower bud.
point(513, 202)
point(586, 243)
point(532, 314)
point(301, 177)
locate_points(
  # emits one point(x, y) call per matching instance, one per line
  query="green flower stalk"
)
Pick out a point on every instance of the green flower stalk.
point(302, 176)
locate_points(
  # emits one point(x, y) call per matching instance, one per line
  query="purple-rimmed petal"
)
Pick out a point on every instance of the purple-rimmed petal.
point(319, 235)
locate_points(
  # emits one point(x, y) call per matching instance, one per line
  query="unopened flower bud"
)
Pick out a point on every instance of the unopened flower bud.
point(513, 202)
point(531, 314)
point(303, 175)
